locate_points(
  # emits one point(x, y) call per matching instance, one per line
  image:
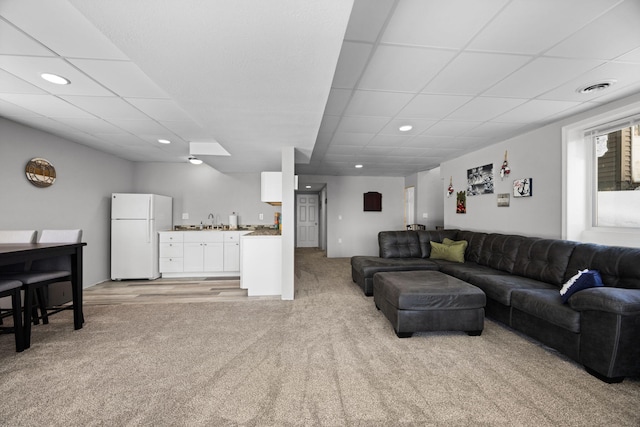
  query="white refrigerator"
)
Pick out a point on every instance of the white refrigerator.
point(135, 222)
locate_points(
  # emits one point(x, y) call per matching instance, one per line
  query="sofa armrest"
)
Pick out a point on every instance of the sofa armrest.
point(612, 300)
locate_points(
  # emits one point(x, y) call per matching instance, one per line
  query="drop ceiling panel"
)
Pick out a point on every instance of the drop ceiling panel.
point(403, 69)
point(107, 107)
point(535, 110)
point(91, 126)
point(456, 21)
point(482, 109)
point(350, 138)
point(139, 126)
point(7, 109)
point(471, 73)
point(372, 103)
point(45, 105)
point(362, 124)
point(30, 69)
point(494, 128)
point(419, 125)
point(388, 140)
point(540, 76)
point(622, 35)
point(160, 109)
point(450, 128)
point(122, 77)
point(12, 84)
point(60, 27)
point(512, 29)
point(15, 42)
point(433, 106)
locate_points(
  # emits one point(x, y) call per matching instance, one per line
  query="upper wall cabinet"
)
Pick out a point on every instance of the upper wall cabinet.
point(271, 188)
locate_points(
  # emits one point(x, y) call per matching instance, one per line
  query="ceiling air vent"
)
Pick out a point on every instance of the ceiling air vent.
point(596, 87)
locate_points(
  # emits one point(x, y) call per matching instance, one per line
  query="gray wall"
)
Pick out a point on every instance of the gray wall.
point(346, 219)
point(200, 190)
point(79, 198)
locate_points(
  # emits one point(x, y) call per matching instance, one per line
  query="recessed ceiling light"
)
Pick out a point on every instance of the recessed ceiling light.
point(596, 87)
point(164, 141)
point(358, 166)
point(308, 186)
point(195, 161)
point(405, 128)
point(54, 78)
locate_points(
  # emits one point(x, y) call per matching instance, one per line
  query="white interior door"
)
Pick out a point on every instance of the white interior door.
point(307, 221)
point(409, 205)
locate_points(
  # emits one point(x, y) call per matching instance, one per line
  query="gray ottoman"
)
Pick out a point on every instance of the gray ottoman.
point(416, 301)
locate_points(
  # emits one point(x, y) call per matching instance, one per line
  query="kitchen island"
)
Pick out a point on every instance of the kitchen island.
point(261, 262)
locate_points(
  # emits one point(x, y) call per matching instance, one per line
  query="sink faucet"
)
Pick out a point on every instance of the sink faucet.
point(212, 217)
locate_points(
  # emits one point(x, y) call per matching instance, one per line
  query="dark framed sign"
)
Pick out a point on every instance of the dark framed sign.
point(372, 201)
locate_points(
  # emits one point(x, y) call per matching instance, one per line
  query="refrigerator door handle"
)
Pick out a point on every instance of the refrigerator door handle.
point(149, 221)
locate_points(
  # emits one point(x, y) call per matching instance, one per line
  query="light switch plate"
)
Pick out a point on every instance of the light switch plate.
point(185, 216)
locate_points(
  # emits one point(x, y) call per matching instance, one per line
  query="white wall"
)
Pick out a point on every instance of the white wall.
point(357, 229)
point(430, 198)
point(79, 198)
point(537, 155)
point(200, 190)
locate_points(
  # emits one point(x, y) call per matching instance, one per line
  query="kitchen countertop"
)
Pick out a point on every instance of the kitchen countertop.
point(264, 232)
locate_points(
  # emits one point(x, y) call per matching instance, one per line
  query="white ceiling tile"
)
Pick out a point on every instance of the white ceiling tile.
point(8, 109)
point(187, 130)
point(622, 35)
point(419, 126)
point(450, 128)
point(351, 63)
point(403, 69)
point(471, 73)
point(160, 109)
point(370, 150)
point(337, 101)
point(494, 129)
point(60, 27)
point(541, 75)
point(351, 138)
point(388, 140)
point(15, 42)
point(139, 126)
point(362, 124)
point(367, 18)
point(91, 126)
point(30, 68)
point(632, 56)
point(45, 105)
point(428, 141)
point(535, 110)
point(12, 84)
point(371, 103)
point(122, 77)
point(526, 26)
point(433, 106)
point(110, 107)
point(456, 21)
point(623, 73)
point(484, 108)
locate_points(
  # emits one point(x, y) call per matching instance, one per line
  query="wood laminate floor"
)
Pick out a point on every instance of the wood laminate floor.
point(168, 291)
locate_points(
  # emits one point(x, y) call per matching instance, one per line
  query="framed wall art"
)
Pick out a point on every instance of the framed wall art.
point(503, 200)
point(480, 180)
point(523, 187)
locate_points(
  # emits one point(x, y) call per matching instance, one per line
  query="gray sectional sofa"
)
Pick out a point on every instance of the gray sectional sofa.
point(522, 277)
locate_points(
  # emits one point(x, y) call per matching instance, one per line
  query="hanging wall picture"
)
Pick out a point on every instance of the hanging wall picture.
point(503, 200)
point(461, 202)
point(480, 180)
point(523, 187)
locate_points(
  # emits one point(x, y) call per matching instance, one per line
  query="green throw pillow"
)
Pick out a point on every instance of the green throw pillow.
point(451, 252)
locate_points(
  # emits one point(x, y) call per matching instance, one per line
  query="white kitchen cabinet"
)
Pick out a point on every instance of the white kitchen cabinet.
point(261, 265)
point(200, 253)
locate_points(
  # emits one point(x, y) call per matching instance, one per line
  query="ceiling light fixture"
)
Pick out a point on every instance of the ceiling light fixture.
point(405, 128)
point(308, 186)
point(164, 141)
point(55, 79)
point(195, 160)
point(596, 87)
point(358, 166)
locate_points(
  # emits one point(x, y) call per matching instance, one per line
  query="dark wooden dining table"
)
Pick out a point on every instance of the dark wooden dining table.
point(16, 253)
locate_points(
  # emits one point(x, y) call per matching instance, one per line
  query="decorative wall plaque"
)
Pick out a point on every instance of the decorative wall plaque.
point(40, 172)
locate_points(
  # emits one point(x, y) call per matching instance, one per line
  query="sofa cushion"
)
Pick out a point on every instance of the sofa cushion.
point(612, 300)
point(367, 266)
point(543, 259)
point(464, 271)
point(618, 266)
point(500, 287)
point(499, 251)
point(546, 304)
point(451, 251)
point(399, 244)
point(426, 236)
point(585, 279)
point(475, 240)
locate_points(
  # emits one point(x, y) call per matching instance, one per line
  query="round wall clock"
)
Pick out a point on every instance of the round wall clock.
point(40, 172)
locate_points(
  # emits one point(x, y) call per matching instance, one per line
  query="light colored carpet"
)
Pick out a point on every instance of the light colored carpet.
point(327, 358)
